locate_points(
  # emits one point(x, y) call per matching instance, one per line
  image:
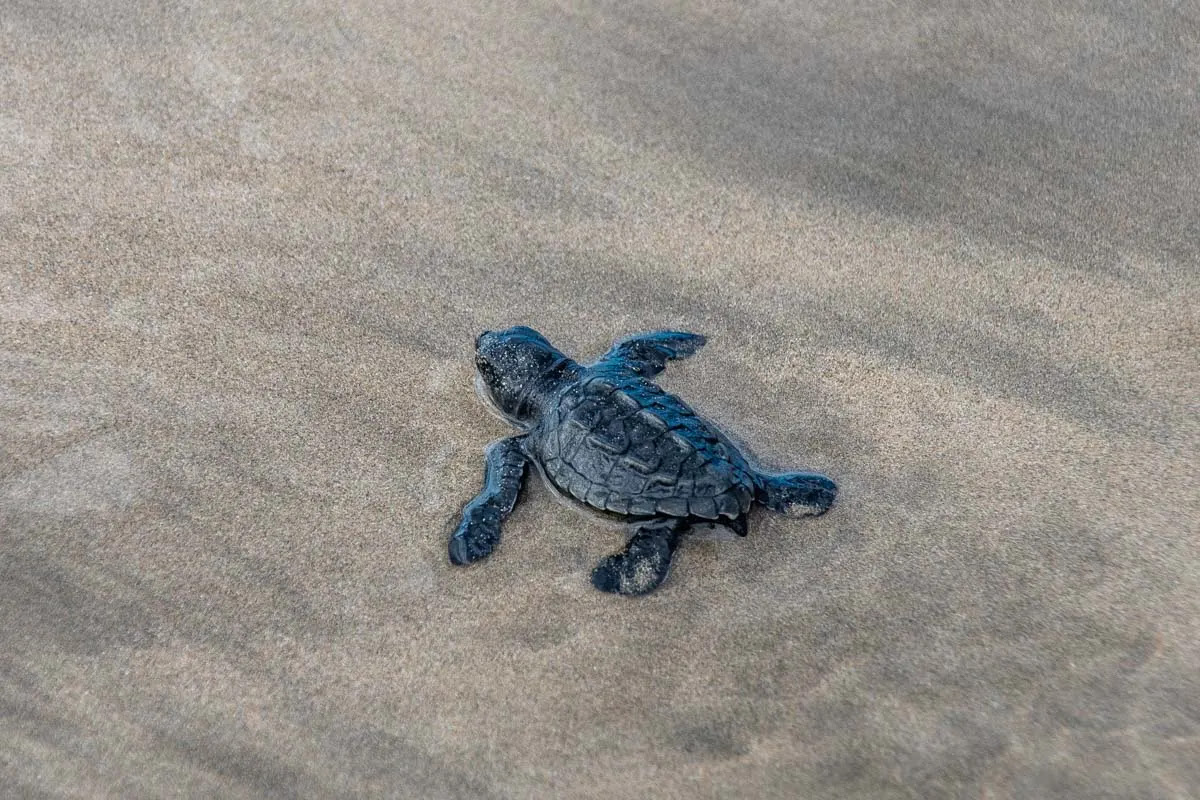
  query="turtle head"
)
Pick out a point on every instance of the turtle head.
point(518, 369)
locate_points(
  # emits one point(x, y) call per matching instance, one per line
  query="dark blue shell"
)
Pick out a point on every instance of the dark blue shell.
point(619, 443)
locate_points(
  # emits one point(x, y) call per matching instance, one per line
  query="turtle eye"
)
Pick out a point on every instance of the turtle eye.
point(487, 369)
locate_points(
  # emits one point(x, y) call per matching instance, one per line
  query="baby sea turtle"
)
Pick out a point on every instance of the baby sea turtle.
point(607, 436)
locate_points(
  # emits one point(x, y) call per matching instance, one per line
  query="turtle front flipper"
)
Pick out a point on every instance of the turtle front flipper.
point(645, 561)
point(647, 354)
point(479, 531)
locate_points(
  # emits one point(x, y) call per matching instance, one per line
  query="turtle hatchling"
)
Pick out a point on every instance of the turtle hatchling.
point(607, 436)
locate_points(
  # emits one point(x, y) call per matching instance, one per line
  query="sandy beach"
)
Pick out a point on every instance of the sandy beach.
point(946, 254)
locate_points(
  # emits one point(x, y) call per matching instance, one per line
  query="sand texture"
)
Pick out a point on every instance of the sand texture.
point(948, 253)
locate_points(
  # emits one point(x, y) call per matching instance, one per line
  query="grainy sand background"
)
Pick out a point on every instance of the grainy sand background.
point(946, 254)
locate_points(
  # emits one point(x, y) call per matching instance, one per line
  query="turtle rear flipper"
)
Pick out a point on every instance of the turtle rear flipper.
point(645, 561)
point(795, 493)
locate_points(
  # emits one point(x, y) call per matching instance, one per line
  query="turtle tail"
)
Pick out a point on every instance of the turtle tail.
point(795, 493)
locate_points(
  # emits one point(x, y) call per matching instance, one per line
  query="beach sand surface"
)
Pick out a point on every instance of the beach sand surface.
point(947, 254)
